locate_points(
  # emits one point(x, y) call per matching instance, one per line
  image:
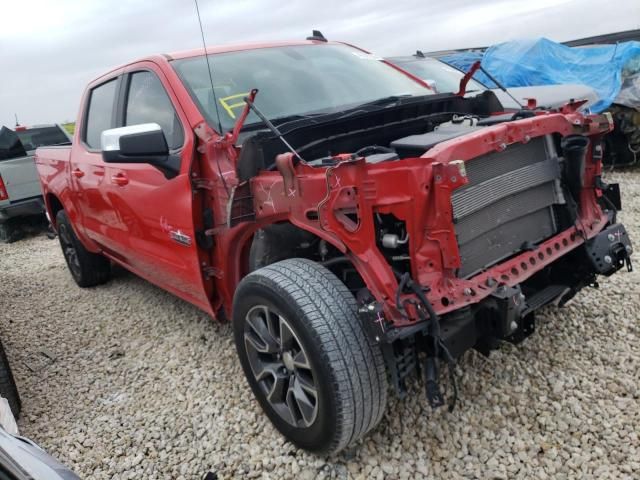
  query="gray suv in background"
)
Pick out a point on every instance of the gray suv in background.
point(442, 78)
point(20, 194)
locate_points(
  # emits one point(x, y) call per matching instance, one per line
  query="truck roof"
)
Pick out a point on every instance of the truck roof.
point(240, 47)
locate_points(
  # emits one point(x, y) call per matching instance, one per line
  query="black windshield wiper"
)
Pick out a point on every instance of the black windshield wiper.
point(380, 103)
point(384, 101)
point(280, 121)
point(347, 112)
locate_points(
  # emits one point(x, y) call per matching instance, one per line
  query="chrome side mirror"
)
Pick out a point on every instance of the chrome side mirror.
point(133, 144)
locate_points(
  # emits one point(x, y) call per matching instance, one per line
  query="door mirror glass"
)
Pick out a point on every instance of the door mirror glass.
point(143, 143)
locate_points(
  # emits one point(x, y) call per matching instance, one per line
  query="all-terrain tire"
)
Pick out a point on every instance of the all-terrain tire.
point(87, 268)
point(347, 368)
point(8, 387)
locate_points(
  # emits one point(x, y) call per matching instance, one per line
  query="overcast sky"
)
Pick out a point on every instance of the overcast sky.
point(50, 49)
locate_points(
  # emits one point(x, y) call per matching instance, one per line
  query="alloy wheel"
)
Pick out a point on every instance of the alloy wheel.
point(281, 366)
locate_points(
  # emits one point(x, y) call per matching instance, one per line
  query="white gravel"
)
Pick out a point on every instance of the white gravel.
point(143, 385)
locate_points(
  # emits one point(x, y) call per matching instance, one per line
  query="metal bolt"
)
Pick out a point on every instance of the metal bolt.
point(371, 308)
point(453, 179)
point(513, 326)
point(526, 138)
point(467, 291)
point(503, 146)
point(611, 237)
point(607, 259)
point(377, 338)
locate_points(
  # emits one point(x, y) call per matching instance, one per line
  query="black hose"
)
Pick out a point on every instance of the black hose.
point(335, 261)
point(403, 282)
point(434, 328)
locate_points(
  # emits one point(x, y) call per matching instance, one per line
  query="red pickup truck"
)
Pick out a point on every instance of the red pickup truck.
point(353, 224)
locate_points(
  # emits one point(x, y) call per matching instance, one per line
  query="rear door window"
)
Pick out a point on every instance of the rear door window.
point(100, 114)
point(148, 102)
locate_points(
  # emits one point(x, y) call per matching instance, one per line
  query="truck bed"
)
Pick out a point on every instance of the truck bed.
point(56, 153)
point(52, 165)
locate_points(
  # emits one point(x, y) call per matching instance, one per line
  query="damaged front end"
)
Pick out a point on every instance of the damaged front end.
point(450, 230)
point(534, 223)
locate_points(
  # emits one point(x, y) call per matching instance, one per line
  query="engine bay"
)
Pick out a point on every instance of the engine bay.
point(389, 133)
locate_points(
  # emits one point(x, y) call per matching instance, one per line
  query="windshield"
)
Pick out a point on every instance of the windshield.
point(292, 80)
point(41, 136)
point(445, 79)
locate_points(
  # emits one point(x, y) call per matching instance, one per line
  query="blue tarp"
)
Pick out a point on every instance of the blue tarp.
point(543, 62)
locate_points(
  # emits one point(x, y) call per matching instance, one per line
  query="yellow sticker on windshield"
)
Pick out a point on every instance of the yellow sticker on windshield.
point(225, 102)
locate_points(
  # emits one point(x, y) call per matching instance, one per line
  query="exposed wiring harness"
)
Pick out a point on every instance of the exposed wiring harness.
point(438, 347)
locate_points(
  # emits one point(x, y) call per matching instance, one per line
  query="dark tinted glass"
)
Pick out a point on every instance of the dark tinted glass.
point(100, 110)
point(42, 136)
point(148, 102)
point(10, 145)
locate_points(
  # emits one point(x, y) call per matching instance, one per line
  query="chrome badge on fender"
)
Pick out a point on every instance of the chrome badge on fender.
point(180, 237)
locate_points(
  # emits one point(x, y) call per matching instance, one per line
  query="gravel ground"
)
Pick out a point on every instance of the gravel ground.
point(143, 385)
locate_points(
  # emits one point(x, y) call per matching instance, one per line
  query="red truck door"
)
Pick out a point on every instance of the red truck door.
point(155, 234)
point(87, 168)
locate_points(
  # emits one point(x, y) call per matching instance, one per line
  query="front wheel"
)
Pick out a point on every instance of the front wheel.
point(306, 356)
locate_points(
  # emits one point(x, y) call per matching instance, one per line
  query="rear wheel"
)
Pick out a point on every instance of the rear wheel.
point(306, 356)
point(87, 268)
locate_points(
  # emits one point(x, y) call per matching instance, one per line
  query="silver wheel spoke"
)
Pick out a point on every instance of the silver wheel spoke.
point(259, 334)
point(305, 399)
point(286, 335)
point(278, 389)
point(300, 360)
point(273, 326)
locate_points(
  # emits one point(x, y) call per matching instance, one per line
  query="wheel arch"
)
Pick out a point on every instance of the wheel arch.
point(53, 205)
point(56, 202)
point(235, 251)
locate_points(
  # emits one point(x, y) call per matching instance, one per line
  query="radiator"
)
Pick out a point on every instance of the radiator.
point(507, 204)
